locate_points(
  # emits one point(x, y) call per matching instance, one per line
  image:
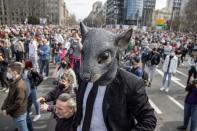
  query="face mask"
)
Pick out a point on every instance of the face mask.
point(63, 65)
point(61, 85)
point(172, 54)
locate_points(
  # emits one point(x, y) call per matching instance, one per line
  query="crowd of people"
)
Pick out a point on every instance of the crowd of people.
point(26, 52)
point(25, 55)
point(147, 51)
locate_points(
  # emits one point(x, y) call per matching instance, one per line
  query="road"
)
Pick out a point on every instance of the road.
point(168, 106)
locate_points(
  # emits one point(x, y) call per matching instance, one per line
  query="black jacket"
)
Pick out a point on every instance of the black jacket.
point(55, 93)
point(125, 100)
point(5, 53)
point(191, 97)
point(153, 58)
point(64, 124)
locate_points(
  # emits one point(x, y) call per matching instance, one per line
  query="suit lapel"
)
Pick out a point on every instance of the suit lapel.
point(108, 99)
point(106, 102)
point(80, 96)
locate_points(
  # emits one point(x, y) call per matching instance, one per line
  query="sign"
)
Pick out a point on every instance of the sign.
point(160, 22)
point(43, 21)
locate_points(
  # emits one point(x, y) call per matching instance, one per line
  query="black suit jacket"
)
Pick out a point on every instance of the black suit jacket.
point(125, 100)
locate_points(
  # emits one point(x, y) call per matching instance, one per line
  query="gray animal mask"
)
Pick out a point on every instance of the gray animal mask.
point(100, 47)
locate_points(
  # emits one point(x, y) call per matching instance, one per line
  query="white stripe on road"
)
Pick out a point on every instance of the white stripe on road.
point(157, 110)
point(174, 79)
point(176, 102)
point(182, 73)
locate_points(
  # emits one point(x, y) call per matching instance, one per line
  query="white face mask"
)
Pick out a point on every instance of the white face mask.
point(9, 76)
point(172, 54)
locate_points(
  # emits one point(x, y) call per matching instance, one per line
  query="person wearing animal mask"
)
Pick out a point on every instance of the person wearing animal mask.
point(108, 97)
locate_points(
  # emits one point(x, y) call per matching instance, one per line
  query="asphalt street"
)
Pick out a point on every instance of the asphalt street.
point(168, 106)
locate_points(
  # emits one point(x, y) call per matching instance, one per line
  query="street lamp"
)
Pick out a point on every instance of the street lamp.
point(137, 16)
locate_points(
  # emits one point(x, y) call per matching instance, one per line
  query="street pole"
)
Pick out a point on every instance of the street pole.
point(172, 16)
point(171, 19)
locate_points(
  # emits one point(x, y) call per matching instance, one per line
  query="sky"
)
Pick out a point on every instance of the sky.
point(82, 8)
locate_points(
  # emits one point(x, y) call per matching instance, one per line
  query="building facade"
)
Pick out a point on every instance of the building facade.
point(13, 12)
point(148, 8)
point(162, 14)
point(174, 6)
point(130, 12)
point(97, 17)
point(115, 12)
point(16, 11)
point(183, 5)
point(133, 11)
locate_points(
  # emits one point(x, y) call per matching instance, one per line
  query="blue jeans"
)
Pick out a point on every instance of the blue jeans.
point(21, 122)
point(44, 67)
point(169, 79)
point(33, 100)
point(29, 123)
point(190, 111)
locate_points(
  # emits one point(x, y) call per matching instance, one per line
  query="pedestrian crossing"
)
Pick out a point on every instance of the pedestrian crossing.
point(169, 105)
point(157, 110)
point(176, 102)
point(181, 73)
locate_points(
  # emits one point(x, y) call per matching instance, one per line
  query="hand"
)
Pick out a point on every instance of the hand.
point(44, 107)
point(40, 51)
point(1, 58)
point(65, 83)
point(40, 99)
point(191, 79)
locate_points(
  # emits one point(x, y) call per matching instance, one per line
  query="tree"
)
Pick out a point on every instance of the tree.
point(190, 19)
point(96, 17)
point(95, 20)
point(33, 20)
point(176, 24)
point(71, 20)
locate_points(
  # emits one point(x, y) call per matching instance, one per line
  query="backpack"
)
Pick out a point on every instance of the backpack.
point(35, 78)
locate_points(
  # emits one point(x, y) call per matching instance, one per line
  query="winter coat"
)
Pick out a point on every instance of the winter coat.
point(15, 103)
point(153, 59)
point(173, 64)
point(45, 52)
